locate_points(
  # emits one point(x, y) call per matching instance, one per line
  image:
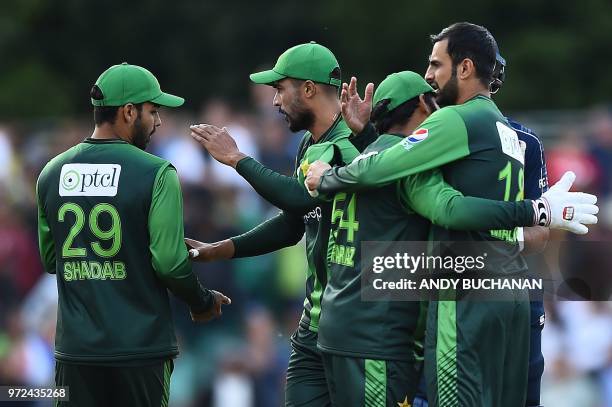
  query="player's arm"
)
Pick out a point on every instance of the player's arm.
point(536, 183)
point(431, 197)
point(446, 141)
point(282, 191)
point(289, 193)
point(46, 245)
point(169, 255)
point(281, 231)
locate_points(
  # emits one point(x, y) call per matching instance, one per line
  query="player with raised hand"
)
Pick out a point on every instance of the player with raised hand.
point(307, 79)
point(110, 226)
point(474, 146)
point(371, 349)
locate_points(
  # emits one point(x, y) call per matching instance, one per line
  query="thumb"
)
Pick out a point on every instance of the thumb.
point(566, 181)
point(192, 244)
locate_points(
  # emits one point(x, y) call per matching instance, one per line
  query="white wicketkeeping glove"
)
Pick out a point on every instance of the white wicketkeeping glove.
point(560, 209)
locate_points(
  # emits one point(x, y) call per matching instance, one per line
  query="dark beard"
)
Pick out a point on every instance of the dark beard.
point(300, 119)
point(140, 136)
point(448, 95)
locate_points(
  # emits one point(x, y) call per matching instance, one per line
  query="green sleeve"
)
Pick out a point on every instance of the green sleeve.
point(280, 190)
point(46, 245)
point(441, 139)
point(431, 197)
point(283, 230)
point(169, 255)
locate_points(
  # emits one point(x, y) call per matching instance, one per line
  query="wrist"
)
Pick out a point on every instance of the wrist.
point(358, 128)
point(541, 212)
point(235, 158)
point(206, 301)
point(223, 250)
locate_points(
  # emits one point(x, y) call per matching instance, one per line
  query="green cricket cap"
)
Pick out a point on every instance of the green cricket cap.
point(309, 61)
point(125, 83)
point(400, 87)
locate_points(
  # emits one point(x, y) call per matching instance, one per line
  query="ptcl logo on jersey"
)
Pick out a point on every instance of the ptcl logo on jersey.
point(89, 179)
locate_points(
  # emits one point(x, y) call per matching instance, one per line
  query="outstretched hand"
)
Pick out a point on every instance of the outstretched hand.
point(560, 209)
point(218, 142)
point(356, 111)
point(199, 251)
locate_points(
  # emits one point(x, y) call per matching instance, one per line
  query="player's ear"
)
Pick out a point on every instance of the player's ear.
point(129, 113)
point(309, 88)
point(423, 105)
point(427, 104)
point(465, 69)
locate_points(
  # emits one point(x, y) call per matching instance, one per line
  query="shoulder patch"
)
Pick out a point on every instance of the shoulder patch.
point(416, 137)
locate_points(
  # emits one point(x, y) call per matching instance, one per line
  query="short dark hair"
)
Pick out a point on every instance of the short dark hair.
point(106, 114)
point(384, 119)
point(467, 40)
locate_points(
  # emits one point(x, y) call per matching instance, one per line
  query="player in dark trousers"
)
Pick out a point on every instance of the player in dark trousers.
point(306, 78)
point(476, 352)
point(372, 350)
point(536, 183)
point(110, 226)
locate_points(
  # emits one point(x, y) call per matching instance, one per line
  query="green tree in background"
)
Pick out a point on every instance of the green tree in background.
point(51, 51)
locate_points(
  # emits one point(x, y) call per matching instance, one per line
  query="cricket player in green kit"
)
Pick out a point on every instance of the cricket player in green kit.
point(110, 226)
point(372, 351)
point(476, 352)
point(307, 79)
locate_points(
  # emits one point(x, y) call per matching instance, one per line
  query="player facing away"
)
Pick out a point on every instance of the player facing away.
point(470, 358)
point(110, 226)
point(306, 78)
point(372, 350)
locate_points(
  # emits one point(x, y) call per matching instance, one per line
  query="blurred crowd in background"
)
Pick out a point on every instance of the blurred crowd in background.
point(240, 359)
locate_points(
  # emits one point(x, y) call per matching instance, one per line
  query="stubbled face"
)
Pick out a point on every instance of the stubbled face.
point(145, 124)
point(290, 103)
point(442, 75)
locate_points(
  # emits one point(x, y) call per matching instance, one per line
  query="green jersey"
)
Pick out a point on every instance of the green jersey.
point(317, 221)
point(110, 227)
point(300, 213)
point(478, 154)
point(400, 211)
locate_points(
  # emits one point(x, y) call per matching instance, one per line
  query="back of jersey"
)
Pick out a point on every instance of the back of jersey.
point(95, 200)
